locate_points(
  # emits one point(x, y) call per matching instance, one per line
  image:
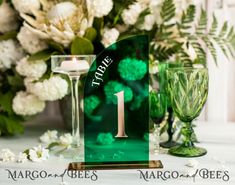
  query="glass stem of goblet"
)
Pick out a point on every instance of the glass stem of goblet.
point(170, 121)
point(187, 131)
point(157, 137)
point(74, 80)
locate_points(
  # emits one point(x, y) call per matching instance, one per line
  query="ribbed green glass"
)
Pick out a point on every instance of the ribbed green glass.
point(188, 89)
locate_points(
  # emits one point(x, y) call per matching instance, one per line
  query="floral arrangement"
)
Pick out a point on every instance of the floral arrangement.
point(31, 31)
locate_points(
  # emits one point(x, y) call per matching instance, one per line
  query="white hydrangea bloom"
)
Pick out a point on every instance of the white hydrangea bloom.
point(101, 8)
point(49, 136)
point(33, 69)
point(30, 41)
point(38, 154)
point(149, 21)
point(26, 6)
point(9, 20)
point(27, 104)
point(155, 9)
point(66, 139)
point(22, 157)
point(110, 36)
point(7, 155)
point(130, 15)
point(10, 52)
point(51, 89)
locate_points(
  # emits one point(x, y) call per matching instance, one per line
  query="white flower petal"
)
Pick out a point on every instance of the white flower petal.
point(27, 104)
point(6, 155)
point(51, 89)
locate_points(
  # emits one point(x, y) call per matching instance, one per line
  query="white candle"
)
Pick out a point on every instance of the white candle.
point(74, 65)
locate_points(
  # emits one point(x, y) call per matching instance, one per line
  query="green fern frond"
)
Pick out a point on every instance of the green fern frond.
point(167, 10)
point(187, 21)
point(164, 53)
point(202, 24)
point(214, 27)
point(183, 56)
point(231, 50)
point(211, 48)
point(231, 34)
point(224, 30)
point(222, 46)
point(187, 18)
point(201, 54)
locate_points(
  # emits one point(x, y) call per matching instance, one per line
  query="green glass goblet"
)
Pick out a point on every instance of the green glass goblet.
point(188, 89)
point(162, 67)
point(158, 104)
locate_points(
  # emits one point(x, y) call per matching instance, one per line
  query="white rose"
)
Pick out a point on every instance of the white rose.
point(110, 36)
point(22, 157)
point(61, 11)
point(34, 69)
point(30, 41)
point(27, 104)
point(66, 140)
point(101, 8)
point(38, 154)
point(131, 14)
point(10, 52)
point(49, 136)
point(9, 20)
point(26, 6)
point(51, 89)
point(7, 155)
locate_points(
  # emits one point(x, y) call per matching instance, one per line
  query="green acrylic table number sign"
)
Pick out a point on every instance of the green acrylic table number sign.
point(116, 107)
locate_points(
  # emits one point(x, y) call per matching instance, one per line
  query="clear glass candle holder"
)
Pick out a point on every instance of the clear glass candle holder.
point(74, 66)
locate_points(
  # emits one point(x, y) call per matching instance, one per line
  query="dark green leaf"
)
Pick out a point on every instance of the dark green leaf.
point(8, 35)
point(42, 55)
point(81, 46)
point(142, 15)
point(98, 24)
point(16, 81)
point(10, 125)
point(90, 34)
point(58, 47)
point(6, 102)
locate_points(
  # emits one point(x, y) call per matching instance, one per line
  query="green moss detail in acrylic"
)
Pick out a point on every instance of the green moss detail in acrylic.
point(132, 69)
point(105, 138)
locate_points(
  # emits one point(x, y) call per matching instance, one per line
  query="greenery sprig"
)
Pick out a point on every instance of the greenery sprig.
point(191, 32)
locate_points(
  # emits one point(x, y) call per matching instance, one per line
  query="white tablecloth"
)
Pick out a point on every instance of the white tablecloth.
point(217, 138)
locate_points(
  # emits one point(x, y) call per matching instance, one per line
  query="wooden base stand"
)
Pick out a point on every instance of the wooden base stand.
point(115, 166)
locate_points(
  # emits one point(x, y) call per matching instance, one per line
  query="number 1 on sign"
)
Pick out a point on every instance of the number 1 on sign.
point(121, 116)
